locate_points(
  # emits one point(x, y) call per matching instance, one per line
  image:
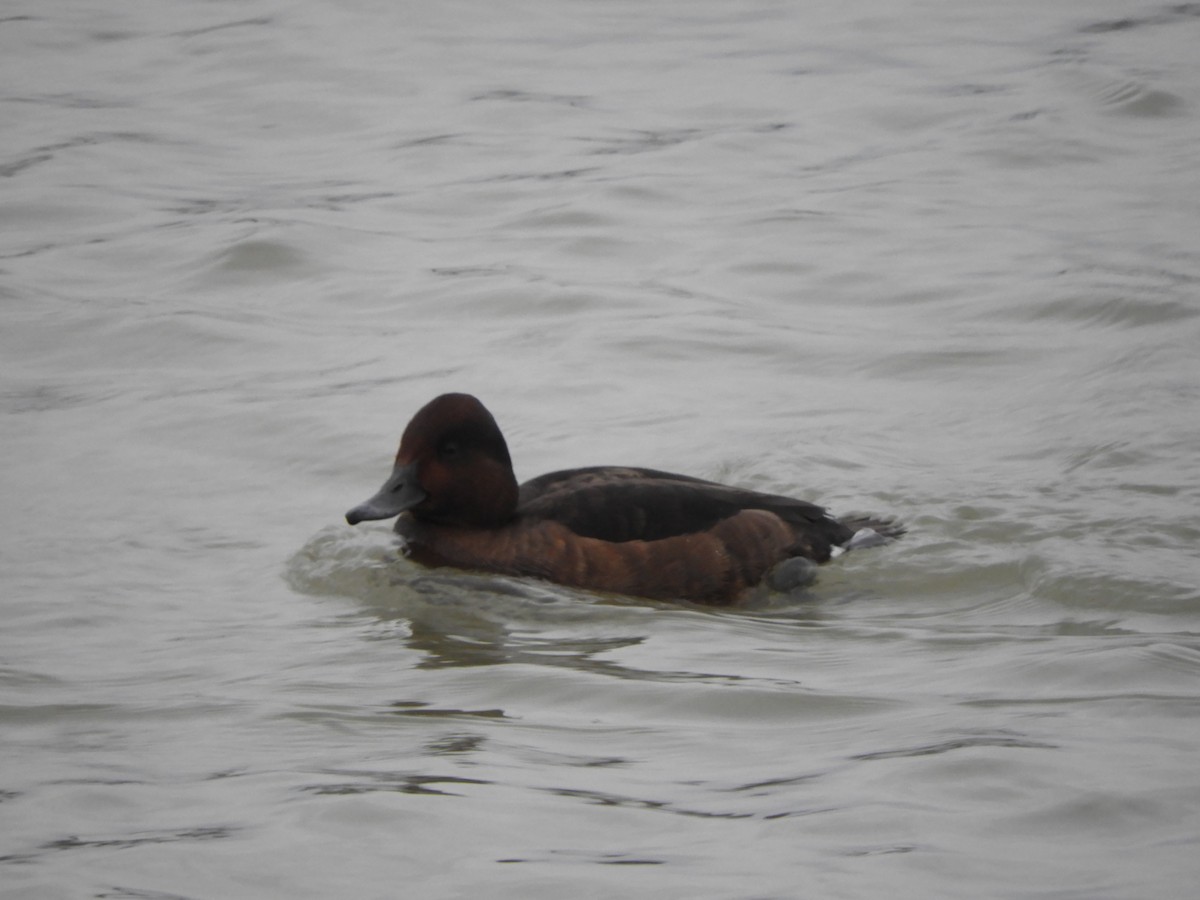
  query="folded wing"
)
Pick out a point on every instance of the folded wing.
point(620, 504)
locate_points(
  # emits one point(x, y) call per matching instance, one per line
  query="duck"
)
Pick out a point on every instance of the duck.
point(612, 529)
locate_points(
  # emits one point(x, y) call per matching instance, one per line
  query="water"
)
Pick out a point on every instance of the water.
point(930, 259)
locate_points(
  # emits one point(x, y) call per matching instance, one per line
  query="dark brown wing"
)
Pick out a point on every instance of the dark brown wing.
point(625, 504)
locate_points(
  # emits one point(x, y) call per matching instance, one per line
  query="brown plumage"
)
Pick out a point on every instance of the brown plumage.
point(605, 528)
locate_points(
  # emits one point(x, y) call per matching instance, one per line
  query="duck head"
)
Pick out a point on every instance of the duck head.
point(452, 468)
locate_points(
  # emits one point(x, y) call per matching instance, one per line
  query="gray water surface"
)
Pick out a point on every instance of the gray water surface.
point(933, 259)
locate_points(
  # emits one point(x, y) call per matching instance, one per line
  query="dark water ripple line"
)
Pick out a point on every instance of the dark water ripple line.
point(1116, 312)
point(254, 22)
point(402, 783)
point(136, 839)
point(118, 892)
point(602, 798)
point(123, 841)
point(1184, 700)
point(953, 744)
point(1169, 15)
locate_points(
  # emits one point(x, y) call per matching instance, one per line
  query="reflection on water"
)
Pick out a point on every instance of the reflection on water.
point(457, 618)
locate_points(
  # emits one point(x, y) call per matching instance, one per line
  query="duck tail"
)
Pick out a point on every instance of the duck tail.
point(871, 531)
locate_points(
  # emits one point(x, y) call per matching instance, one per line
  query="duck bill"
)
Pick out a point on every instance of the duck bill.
point(400, 492)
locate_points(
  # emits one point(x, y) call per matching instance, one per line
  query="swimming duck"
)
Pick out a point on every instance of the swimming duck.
point(613, 529)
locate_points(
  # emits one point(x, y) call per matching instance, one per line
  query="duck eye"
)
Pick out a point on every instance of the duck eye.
point(450, 450)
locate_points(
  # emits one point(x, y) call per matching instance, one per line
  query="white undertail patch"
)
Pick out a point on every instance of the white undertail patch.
point(864, 537)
